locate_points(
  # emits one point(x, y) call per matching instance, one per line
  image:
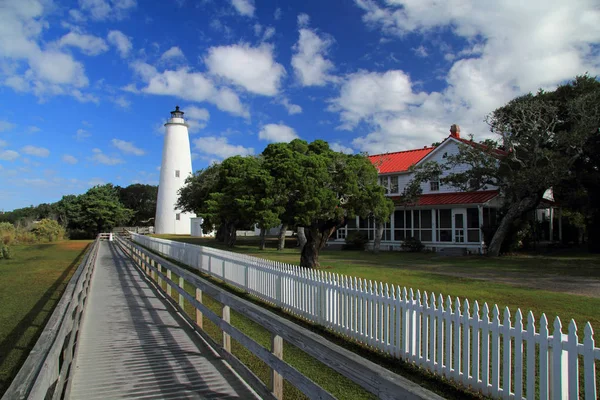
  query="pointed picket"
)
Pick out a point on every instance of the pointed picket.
point(530, 338)
point(475, 349)
point(448, 339)
point(457, 338)
point(544, 359)
point(558, 388)
point(518, 360)
point(573, 361)
point(440, 335)
point(495, 345)
point(485, 349)
point(589, 363)
point(466, 342)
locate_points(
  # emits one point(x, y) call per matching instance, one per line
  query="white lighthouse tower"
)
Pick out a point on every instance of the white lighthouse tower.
point(175, 168)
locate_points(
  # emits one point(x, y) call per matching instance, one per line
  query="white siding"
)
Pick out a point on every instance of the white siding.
point(449, 147)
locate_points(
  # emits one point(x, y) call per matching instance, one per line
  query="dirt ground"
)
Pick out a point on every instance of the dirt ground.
point(578, 285)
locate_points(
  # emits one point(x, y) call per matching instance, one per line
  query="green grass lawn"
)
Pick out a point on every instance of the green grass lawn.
point(31, 284)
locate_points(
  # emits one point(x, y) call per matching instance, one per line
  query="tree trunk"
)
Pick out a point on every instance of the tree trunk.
point(222, 233)
point(301, 237)
point(281, 239)
point(515, 210)
point(309, 257)
point(378, 234)
point(263, 234)
point(232, 235)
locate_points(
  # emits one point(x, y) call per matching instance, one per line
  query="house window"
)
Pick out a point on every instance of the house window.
point(178, 216)
point(383, 181)
point(434, 186)
point(176, 173)
point(394, 184)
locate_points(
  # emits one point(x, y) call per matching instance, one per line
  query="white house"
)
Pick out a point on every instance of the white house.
point(443, 217)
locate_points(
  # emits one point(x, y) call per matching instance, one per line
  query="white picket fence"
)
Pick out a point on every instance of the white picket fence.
point(491, 355)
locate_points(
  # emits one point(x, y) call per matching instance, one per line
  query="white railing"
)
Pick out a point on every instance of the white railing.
point(490, 354)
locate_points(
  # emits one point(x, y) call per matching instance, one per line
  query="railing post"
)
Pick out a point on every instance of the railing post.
point(159, 269)
point(169, 288)
point(154, 274)
point(198, 312)
point(182, 286)
point(226, 337)
point(276, 383)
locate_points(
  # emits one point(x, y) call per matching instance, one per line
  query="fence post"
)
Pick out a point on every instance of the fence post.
point(276, 383)
point(169, 289)
point(182, 286)
point(198, 312)
point(159, 269)
point(226, 337)
point(558, 362)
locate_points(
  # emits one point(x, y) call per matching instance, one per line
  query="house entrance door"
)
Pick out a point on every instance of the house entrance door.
point(459, 217)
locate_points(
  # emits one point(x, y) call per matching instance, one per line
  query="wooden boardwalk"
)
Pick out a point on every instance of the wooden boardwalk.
point(132, 344)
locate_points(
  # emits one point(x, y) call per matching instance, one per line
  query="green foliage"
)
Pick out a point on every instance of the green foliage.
point(7, 233)
point(142, 200)
point(356, 240)
point(5, 252)
point(99, 210)
point(412, 245)
point(49, 230)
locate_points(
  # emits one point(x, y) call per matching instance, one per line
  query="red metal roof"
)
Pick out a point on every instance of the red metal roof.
point(399, 161)
point(496, 152)
point(437, 199)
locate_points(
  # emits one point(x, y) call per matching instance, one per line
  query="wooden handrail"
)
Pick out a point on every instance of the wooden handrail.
point(44, 371)
point(370, 376)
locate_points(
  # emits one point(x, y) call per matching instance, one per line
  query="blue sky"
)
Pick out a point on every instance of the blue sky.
point(86, 85)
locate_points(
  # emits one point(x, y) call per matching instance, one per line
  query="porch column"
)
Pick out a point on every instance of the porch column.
point(560, 224)
point(551, 224)
point(392, 238)
point(433, 226)
point(480, 212)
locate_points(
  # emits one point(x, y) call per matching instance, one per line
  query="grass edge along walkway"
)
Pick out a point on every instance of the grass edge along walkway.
point(335, 383)
point(31, 285)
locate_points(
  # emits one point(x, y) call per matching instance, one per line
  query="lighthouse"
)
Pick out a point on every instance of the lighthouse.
point(175, 168)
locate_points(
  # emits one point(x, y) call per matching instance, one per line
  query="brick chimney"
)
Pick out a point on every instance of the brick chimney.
point(455, 131)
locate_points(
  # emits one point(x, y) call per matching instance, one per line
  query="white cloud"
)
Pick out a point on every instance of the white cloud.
point(88, 44)
point(193, 86)
point(174, 54)
point(121, 42)
point(121, 102)
point(367, 94)
point(36, 151)
point(277, 14)
point(84, 97)
point(127, 147)
point(244, 7)
point(549, 42)
point(96, 182)
point(69, 159)
point(193, 112)
point(336, 146)
point(81, 135)
point(277, 133)
point(33, 129)
point(421, 51)
point(77, 15)
point(26, 66)
point(6, 126)
point(253, 68)
point(100, 10)
point(101, 158)
point(309, 62)
point(269, 33)
point(291, 108)
point(3, 143)
point(303, 20)
point(219, 147)
point(8, 155)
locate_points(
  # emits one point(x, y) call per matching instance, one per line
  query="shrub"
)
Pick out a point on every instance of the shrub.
point(25, 237)
point(7, 233)
point(48, 229)
point(356, 240)
point(413, 245)
point(5, 252)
